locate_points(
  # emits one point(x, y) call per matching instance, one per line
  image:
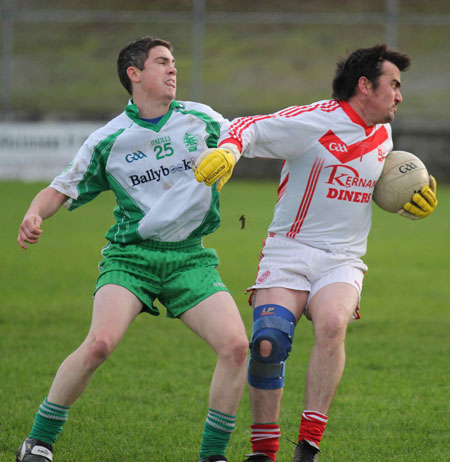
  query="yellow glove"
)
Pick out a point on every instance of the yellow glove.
point(422, 204)
point(216, 164)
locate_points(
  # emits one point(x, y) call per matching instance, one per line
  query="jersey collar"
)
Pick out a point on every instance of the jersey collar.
point(132, 112)
point(355, 117)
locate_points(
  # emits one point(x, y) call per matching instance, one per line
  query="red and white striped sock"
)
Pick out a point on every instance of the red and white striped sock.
point(312, 426)
point(265, 438)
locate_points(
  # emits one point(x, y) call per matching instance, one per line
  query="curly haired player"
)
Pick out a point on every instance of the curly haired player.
point(333, 153)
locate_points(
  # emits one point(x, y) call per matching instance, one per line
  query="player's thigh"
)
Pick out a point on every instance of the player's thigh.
point(293, 300)
point(332, 307)
point(217, 320)
point(115, 308)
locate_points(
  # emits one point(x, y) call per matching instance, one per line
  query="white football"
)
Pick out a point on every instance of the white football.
point(403, 175)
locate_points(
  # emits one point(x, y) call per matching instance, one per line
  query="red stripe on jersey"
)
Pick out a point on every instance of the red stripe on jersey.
point(329, 106)
point(243, 123)
point(301, 110)
point(345, 153)
point(297, 110)
point(239, 122)
point(294, 110)
point(282, 187)
point(307, 197)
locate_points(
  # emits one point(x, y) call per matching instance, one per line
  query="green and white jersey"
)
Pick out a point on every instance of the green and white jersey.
point(148, 168)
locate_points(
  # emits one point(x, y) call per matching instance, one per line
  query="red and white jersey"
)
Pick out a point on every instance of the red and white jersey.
point(332, 161)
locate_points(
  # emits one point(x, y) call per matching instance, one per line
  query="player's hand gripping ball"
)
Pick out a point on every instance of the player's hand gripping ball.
point(422, 203)
point(216, 164)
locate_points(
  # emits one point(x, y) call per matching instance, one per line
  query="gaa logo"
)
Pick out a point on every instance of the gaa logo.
point(134, 156)
point(337, 147)
point(405, 168)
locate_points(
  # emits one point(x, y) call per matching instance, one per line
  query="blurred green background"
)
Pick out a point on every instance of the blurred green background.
point(65, 69)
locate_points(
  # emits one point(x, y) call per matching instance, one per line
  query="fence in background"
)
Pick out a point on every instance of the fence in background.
point(198, 17)
point(37, 152)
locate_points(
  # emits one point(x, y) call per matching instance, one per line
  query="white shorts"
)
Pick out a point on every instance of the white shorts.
point(287, 263)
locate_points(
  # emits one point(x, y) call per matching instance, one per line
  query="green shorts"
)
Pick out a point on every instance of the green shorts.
point(178, 274)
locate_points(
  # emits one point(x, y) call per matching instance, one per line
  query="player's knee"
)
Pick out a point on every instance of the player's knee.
point(265, 348)
point(273, 332)
point(235, 350)
point(332, 329)
point(239, 350)
point(99, 349)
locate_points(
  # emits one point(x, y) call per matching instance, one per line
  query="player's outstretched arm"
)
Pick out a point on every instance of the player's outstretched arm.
point(216, 165)
point(422, 203)
point(44, 205)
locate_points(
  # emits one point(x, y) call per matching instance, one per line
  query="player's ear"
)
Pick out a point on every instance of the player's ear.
point(134, 74)
point(364, 85)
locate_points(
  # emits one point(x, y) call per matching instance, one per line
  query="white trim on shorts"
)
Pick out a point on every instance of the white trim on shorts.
point(285, 262)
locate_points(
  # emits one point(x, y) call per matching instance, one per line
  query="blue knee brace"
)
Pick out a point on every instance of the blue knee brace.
point(275, 324)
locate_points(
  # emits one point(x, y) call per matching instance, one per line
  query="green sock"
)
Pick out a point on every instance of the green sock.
point(216, 433)
point(49, 421)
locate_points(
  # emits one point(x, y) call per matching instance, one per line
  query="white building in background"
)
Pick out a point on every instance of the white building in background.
point(38, 151)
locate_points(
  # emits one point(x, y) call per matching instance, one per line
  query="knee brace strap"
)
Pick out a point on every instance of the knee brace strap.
point(275, 324)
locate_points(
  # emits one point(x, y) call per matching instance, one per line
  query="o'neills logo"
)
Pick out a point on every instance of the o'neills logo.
point(344, 178)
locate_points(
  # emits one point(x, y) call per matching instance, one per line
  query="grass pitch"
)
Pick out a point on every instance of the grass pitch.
point(149, 400)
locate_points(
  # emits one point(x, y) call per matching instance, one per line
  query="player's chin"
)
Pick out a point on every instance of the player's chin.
point(392, 113)
point(389, 118)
